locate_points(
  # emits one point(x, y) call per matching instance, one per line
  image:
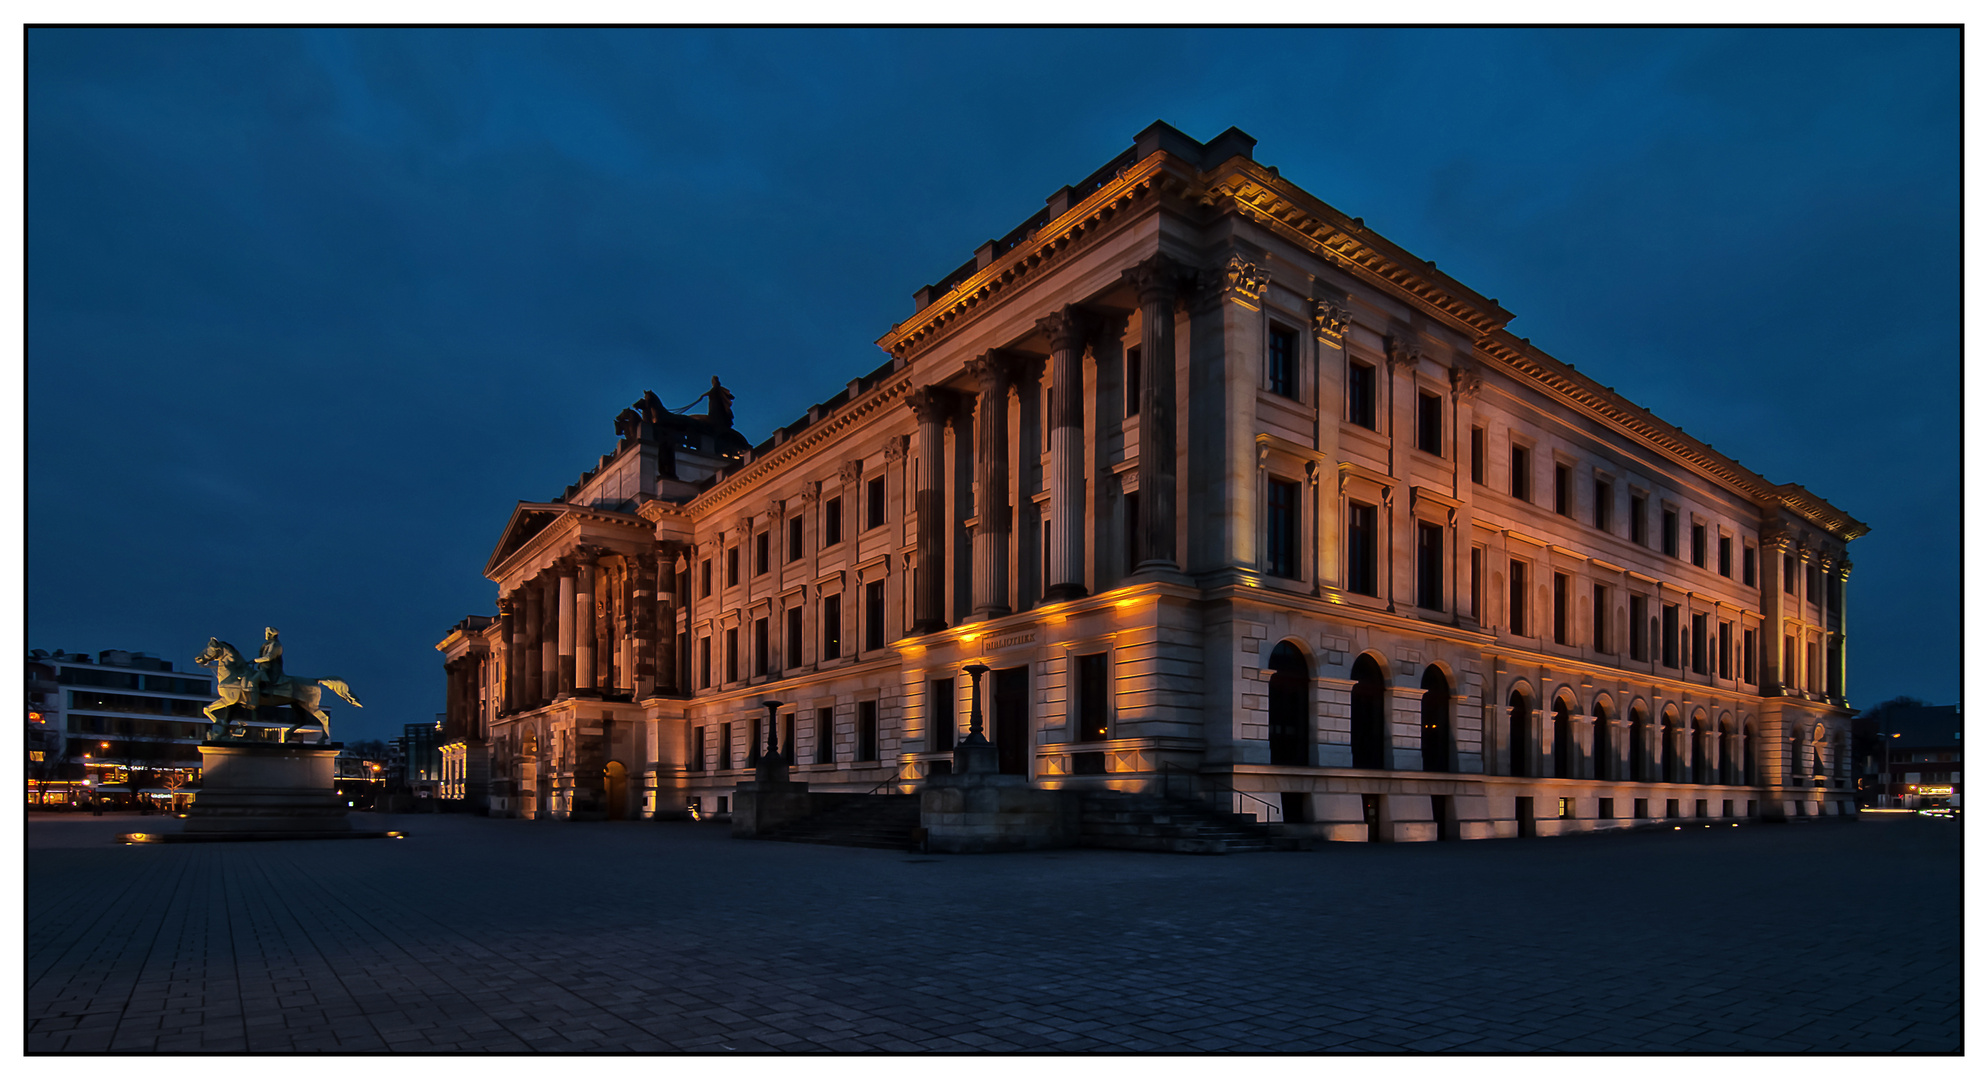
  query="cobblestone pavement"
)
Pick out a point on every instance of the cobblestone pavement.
point(506, 936)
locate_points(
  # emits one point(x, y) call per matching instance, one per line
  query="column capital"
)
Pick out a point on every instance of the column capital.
point(1235, 276)
point(994, 371)
point(810, 491)
point(1157, 279)
point(932, 404)
point(1330, 322)
point(897, 447)
point(1067, 327)
point(1402, 356)
point(1465, 381)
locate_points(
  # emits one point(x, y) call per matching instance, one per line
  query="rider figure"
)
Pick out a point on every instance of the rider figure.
point(268, 666)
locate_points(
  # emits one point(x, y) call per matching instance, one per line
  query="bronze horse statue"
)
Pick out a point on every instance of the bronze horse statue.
point(235, 678)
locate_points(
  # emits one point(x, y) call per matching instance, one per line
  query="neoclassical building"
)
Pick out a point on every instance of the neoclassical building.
point(1217, 482)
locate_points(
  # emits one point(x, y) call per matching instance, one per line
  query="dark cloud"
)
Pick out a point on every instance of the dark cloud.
point(309, 310)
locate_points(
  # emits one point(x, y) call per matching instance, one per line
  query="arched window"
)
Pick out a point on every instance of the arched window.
point(1639, 744)
point(1369, 714)
point(1566, 754)
point(1728, 747)
point(1435, 720)
point(1518, 733)
point(1290, 706)
point(1701, 765)
point(1604, 745)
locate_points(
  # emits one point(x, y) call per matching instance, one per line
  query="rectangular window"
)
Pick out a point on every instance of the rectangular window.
point(732, 655)
point(1518, 598)
point(825, 736)
point(1563, 489)
point(1092, 723)
point(694, 754)
point(1477, 583)
point(1725, 556)
point(703, 663)
point(1748, 560)
point(831, 627)
point(1282, 523)
point(1670, 532)
point(724, 746)
point(1361, 538)
point(1283, 373)
point(866, 731)
point(1725, 650)
point(1604, 503)
point(762, 553)
point(1639, 520)
point(1812, 587)
point(704, 578)
point(876, 501)
point(1429, 423)
point(1697, 544)
point(1747, 647)
point(873, 615)
point(731, 567)
point(1600, 616)
point(1360, 394)
point(1790, 678)
point(942, 713)
point(1560, 588)
point(1429, 565)
point(794, 539)
point(792, 659)
point(1788, 576)
point(1521, 472)
point(1699, 654)
point(1669, 632)
point(831, 522)
point(1808, 654)
point(759, 646)
point(1132, 374)
point(1476, 455)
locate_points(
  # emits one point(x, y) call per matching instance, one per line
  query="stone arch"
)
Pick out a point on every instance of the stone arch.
point(1438, 724)
point(1566, 751)
point(1700, 735)
point(614, 785)
point(1604, 730)
point(1290, 703)
point(1518, 731)
point(1370, 704)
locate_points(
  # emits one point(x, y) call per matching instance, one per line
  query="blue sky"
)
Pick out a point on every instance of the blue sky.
point(309, 311)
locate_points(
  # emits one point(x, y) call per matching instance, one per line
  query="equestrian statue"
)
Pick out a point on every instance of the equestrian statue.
point(252, 684)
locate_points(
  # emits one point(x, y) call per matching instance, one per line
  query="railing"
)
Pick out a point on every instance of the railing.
point(894, 779)
point(1194, 781)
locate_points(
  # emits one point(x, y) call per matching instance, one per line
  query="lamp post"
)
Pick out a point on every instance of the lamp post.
point(772, 764)
point(974, 753)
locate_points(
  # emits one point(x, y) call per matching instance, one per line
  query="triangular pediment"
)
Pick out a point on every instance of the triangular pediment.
point(527, 521)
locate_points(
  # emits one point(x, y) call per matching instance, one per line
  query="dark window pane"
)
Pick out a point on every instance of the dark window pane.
point(1360, 394)
point(1521, 473)
point(1283, 362)
point(1518, 599)
point(876, 502)
point(1283, 528)
point(1477, 455)
point(1132, 376)
point(1428, 565)
point(831, 627)
point(1092, 722)
point(1361, 537)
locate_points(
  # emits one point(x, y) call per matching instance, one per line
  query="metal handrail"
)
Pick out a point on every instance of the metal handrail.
point(1168, 768)
point(895, 777)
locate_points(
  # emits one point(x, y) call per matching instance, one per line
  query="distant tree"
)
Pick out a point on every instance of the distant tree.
point(1864, 727)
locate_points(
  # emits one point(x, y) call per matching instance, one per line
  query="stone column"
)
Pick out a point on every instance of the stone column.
point(932, 405)
point(1157, 282)
point(567, 588)
point(639, 674)
point(583, 619)
point(548, 636)
point(511, 642)
point(1842, 659)
point(995, 374)
point(1067, 329)
point(1584, 740)
point(530, 650)
point(662, 661)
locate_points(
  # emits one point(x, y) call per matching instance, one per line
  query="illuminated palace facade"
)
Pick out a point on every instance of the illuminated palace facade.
point(1214, 480)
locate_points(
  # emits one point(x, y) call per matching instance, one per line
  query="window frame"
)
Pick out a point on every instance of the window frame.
point(1281, 369)
point(1362, 394)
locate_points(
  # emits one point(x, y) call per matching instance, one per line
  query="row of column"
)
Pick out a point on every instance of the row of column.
point(1158, 282)
point(464, 704)
point(562, 639)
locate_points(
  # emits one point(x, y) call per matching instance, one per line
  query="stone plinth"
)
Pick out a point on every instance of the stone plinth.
point(760, 806)
point(985, 811)
point(265, 791)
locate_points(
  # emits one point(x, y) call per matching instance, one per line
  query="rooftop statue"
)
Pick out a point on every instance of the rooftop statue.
point(263, 682)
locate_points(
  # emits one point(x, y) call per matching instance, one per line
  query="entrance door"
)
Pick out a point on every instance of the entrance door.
point(1290, 707)
point(616, 776)
point(1011, 719)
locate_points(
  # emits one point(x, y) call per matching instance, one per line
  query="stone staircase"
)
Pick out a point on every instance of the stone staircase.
point(871, 821)
point(1152, 823)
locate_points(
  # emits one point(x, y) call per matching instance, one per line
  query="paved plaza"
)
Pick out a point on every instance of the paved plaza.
point(511, 936)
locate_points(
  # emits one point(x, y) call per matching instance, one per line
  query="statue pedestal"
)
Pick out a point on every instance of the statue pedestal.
point(265, 791)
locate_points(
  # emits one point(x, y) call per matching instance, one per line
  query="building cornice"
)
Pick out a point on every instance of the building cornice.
point(1532, 366)
point(1158, 173)
point(791, 451)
